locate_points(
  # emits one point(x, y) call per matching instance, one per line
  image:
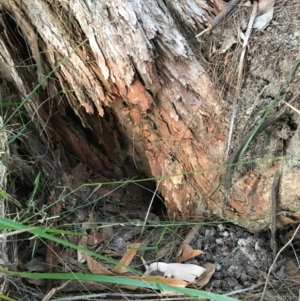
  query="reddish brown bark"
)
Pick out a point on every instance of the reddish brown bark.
point(139, 87)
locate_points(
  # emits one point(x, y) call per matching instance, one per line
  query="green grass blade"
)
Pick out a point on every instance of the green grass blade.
point(156, 285)
point(3, 297)
point(42, 233)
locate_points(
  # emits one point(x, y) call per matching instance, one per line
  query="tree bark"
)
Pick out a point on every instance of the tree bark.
point(133, 76)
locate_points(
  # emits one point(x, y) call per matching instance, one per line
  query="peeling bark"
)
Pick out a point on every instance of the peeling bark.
point(138, 86)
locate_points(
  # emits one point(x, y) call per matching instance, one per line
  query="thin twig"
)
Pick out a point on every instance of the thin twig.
point(233, 4)
point(220, 17)
point(271, 267)
point(149, 208)
point(292, 107)
point(244, 289)
point(232, 118)
point(246, 40)
point(188, 238)
point(7, 234)
point(273, 209)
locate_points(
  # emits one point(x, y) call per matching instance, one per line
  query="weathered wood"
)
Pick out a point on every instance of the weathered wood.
point(137, 85)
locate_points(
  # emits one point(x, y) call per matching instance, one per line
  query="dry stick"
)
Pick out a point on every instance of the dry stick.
point(292, 107)
point(220, 17)
point(149, 208)
point(7, 234)
point(271, 267)
point(232, 118)
point(189, 237)
point(244, 289)
point(273, 209)
point(247, 36)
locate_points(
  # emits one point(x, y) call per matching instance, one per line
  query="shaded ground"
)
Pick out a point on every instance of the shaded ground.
point(114, 222)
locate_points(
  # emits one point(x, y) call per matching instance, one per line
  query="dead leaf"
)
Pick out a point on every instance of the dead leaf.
point(96, 267)
point(164, 250)
point(50, 294)
point(89, 224)
point(65, 258)
point(73, 239)
point(227, 43)
point(95, 238)
point(37, 282)
point(188, 252)
point(229, 79)
point(110, 252)
point(82, 243)
point(219, 6)
point(265, 7)
point(118, 244)
point(126, 260)
point(186, 272)
point(206, 276)
point(291, 269)
point(285, 220)
point(36, 264)
point(189, 237)
point(247, 3)
point(80, 173)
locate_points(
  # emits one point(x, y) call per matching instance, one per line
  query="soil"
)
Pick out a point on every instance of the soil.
point(270, 56)
point(242, 259)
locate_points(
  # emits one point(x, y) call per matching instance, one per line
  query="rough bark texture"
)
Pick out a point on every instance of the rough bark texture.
point(138, 85)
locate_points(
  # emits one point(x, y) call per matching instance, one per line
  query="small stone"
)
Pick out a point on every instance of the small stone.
point(219, 241)
point(231, 270)
point(218, 275)
point(217, 283)
point(225, 286)
point(239, 271)
point(232, 282)
point(238, 287)
point(244, 278)
point(251, 271)
point(226, 234)
point(221, 228)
